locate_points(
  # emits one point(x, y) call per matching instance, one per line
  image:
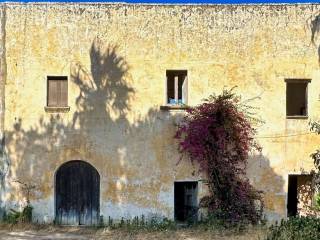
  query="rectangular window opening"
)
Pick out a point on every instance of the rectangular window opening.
point(297, 98)
point(185, 201)
point(177, 84)
point(57, 91)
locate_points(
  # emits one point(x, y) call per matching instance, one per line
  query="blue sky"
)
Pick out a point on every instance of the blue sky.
point(180, 1)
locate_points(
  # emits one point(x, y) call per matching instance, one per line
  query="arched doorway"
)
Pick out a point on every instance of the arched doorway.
point(77, 191)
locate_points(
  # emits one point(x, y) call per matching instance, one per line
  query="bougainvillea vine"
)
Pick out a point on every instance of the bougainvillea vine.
point(218, 134)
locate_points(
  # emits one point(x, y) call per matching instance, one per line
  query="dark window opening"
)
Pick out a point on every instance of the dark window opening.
point(57, 91)
point(297, 97)
point(185, 201)
point(177, 86)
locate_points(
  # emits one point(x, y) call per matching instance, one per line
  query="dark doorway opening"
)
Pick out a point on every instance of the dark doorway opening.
point(292, 201)
point(77, 192)
point(185, 201)
point(300, 195)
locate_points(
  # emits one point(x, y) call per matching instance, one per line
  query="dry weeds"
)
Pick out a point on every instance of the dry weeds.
point(45, 232)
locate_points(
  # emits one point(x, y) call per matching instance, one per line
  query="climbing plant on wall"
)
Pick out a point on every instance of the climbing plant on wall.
point(218, 134)
point(315, 127)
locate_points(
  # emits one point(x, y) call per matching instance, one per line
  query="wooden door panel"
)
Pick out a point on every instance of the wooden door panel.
point(77, 194)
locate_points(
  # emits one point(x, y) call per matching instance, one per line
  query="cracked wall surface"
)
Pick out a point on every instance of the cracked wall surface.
point(116, 57)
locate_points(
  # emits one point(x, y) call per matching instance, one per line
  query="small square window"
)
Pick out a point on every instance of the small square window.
point(177, 87)
point(297, 97)
point(57, 91)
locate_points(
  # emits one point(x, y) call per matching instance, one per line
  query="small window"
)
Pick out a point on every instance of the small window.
point(297, 97)
point(185, 201)
point(177, 91)
point(57, 91)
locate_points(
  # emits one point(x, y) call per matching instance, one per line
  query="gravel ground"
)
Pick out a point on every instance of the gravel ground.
point(26, 235)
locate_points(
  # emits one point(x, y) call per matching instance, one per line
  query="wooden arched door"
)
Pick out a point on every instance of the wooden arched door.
point(77, 190)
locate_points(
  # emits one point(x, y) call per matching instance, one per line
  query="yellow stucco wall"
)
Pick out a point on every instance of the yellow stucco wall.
point(116, 57)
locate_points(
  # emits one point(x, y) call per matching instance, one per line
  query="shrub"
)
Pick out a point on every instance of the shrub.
point(153, 224)
point(317, 201)
point(14, 216)
point(218, 134)
point(215, 222)
point(296, 228)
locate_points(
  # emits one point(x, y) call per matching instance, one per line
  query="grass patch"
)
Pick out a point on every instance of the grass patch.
point(296, 228)
point(194, 232)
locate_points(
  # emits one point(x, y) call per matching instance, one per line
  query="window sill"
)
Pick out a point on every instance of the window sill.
point(297, 117)
point(56, 109)
point(173, 107)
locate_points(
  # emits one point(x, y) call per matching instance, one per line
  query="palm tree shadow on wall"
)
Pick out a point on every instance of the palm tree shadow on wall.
point(103, 102)
point(98, 128)
point(105, 89)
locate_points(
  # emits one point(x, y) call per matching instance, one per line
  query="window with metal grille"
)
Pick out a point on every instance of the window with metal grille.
point(57, 91)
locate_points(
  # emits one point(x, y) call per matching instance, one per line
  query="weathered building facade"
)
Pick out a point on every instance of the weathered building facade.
point(94, 91)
